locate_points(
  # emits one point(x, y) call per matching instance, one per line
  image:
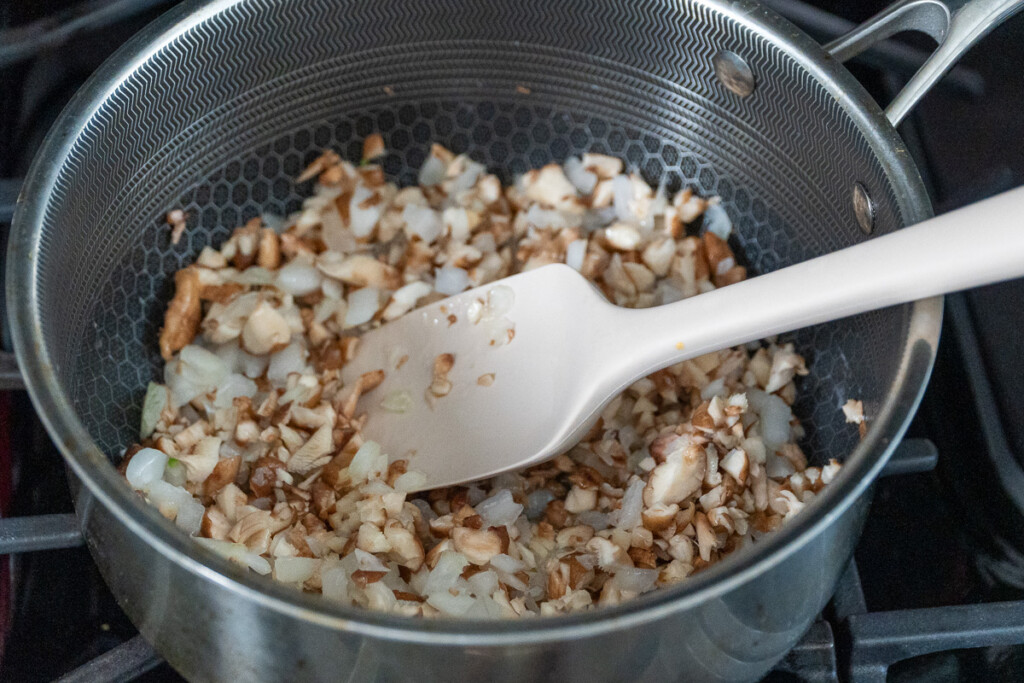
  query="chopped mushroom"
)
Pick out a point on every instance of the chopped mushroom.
point(267, 454)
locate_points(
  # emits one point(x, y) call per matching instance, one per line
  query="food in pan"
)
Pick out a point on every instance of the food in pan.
point(254, 446)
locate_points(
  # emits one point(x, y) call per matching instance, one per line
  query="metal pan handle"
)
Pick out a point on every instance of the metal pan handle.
point(955, 24)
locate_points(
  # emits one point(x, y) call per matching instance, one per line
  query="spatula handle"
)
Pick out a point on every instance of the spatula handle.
point(976, 245)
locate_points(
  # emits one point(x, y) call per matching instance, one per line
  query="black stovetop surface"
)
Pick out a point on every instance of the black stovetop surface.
point(952, 586)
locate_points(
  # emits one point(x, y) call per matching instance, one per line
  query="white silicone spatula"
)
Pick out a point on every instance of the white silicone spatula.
point(502, 407)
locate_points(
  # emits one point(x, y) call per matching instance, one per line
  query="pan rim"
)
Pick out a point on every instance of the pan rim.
point(101, 480)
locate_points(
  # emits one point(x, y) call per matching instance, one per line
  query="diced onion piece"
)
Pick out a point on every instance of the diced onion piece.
point(716, 220)
point(584, 180)
point(336, 236)
point(190, 516)
point(507, 564)
point(152, 406)
point(168, 498)
point(362, 220)
point(446, 572)
point(291, 358)
point(362, 306)
point(368, 463)
point(334, 584)
point(145, 467)
point(450, 280)
point(622, 190)
point(575, 253)
point(499, 510)
point(298, 278)
point(397, 401)
point(422, 222)
point(432, 172)
point(294, 569)
point(635, 580)
point(368, 562)
point(233, 387)
point(410, 481)
point(453, 605)
point(632, 505)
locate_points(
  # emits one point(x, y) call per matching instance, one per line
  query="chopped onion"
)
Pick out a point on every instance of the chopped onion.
point(175, 473)
point(233, 387)
point(196, 372)
point(368, 463)
point(778, 467)
point(635, 580)
point(167, 498)
point(231, 551)
point(446, 572)
point(456, 223)
point(716, 220)
point(537, 502)
point(499, 332)
point(632, 504)
point(575, 253)
point(450, 281)
point(499, 302)
point(274, 222)
point(298, 278)
point(152, 406)
point(715, 388)
point(454, 605)
point(545, 218)
point(470, 174)
point(291, 358)
point(253, 366)
point(483, 583)
point(622, 191)
point(145, 467)
point(254, 275)
point(397, 401)
point(775, 417)
point(584, 180)
point(362, 306)
point(422, 222)
point(236, 552)
point(507, 564)
point(256, 563)
point(499, 510)
point(432, 172)
point(410, 481)
point(362, 221)
point(332, 289)
point(336, 236)
point(484, 242)
point(368, 562)
point(294, 569)
point(667, 293)
point(598, 521)
point(334, 583)
point(190, 516)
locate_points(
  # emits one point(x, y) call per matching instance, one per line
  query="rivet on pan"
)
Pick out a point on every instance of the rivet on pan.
point(863, 208)
point(733, 72)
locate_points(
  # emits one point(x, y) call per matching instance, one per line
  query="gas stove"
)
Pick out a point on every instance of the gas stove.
point(935, 591)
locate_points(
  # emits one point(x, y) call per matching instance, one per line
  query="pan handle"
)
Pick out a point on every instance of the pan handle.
point(954, 24)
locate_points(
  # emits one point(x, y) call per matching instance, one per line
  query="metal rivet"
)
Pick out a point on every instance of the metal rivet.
point(733, 72)
point(863, 208)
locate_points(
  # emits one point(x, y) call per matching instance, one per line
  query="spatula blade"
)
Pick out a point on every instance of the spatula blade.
point(512, 396)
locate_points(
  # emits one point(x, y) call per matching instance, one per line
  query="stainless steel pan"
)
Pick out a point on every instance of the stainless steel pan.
point(217, 105)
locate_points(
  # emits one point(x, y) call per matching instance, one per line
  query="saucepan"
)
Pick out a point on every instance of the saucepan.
point(216, 106)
